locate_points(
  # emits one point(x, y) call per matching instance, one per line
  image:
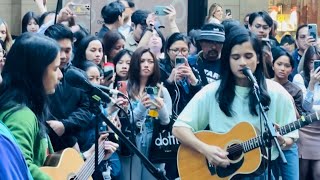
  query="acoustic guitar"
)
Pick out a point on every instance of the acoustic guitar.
point(70, 165)
point(243, 146)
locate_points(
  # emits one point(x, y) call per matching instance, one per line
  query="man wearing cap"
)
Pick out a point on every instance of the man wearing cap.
point(211, 40)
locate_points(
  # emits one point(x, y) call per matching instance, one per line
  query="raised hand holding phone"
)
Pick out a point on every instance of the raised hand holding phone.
point(314, 75)
point(185, 71)
point(228, 14)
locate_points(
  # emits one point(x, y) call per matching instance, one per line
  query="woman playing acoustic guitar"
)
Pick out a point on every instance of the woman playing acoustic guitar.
point(29, 75)
point(229, 102)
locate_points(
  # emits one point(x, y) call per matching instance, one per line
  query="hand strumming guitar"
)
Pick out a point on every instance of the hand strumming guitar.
point(215, 155)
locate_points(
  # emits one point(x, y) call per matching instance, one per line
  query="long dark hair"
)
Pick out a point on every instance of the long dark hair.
point(27, 18)
point(23, 73)
point(80, 55)
point(116, 59)
point(109, 40)
point(226, 92)
point(172, 39)
point(134, 72)
point(310, 52)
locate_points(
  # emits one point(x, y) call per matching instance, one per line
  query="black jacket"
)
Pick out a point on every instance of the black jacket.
point(165, 69)
point(70, 106)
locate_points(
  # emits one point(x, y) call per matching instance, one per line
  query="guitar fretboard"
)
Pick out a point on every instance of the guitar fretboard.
point(88, 168)
point(303, 121)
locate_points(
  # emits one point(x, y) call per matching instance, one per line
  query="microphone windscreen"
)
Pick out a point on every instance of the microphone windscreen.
point(77, 79)
point(245, 71)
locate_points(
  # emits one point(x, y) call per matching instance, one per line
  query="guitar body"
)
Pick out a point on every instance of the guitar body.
point(64, 165)
point(193, 165)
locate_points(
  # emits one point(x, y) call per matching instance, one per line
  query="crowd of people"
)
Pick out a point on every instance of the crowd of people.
point(194, 79)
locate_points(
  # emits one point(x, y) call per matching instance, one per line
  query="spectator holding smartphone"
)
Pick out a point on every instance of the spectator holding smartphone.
point(144, 72)
point(178, 45)
point(303, 42)
point(215, 14)
point(308, 143)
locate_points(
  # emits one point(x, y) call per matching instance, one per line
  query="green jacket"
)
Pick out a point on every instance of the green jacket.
point(25, 128)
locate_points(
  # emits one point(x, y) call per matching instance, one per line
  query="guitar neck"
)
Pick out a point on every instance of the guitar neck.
point(88, 168)
point(303, 121)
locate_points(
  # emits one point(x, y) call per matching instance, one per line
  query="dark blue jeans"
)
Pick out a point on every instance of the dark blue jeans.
point(291, 169)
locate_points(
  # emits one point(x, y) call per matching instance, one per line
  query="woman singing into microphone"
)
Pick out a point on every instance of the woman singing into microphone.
point(225, 103)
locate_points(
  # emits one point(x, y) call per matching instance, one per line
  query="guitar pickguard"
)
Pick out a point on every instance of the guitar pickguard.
point(232, 168)
point(224, 172)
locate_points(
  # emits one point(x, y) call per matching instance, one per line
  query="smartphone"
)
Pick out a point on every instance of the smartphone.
point(180, 60)
point(80, 9)
point(159, 10)
point(151, 90)
point(313, 30)
point(228, 11)
point(316, 64)
point(108, 70)
point(266, 46)
point(122, 87)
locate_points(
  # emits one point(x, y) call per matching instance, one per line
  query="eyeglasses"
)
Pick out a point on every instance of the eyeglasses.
point(182, 51)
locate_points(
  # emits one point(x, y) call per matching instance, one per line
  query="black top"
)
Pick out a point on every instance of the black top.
point(69, 105)
point(185, 96)
point(104, 29)
point(209, 71)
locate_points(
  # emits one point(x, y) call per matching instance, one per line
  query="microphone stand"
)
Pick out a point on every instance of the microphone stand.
point(270, 134)
point(95, 109)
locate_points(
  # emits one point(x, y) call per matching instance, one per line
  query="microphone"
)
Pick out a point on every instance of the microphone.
point(109, 90)
point(77, 79)
point(247, 72)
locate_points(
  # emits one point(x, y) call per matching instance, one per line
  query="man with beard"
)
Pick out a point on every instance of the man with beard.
point(211, 40)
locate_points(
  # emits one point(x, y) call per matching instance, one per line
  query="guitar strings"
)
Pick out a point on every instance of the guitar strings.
point(85, 170)
point(85, 174)
point(88, 172)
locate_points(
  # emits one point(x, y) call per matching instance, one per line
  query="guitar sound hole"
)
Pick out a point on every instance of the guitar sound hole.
point(235, 151)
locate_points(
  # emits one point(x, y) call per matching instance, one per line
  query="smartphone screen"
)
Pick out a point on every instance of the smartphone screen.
point(80, 9)
point(316, 64)
point(122, 87)
point(151, 90)
point(228, 11)
point(313, 30)
point(108, 70)
point(158, 10)
point(179, 61)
